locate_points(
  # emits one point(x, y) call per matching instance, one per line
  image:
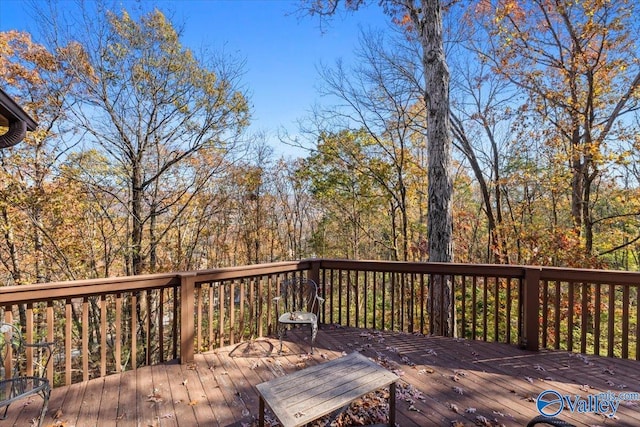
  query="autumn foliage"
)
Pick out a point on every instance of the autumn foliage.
point(139, 163)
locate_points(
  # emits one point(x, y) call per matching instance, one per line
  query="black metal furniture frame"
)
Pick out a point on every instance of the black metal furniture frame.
point(14, 383)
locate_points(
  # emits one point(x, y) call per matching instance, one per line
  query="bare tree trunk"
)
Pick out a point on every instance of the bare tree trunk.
point(153, 244)
point(13, 264)
point(428, 20)
point(136, 215)
point(14, 268)
point(38, 245)
point(426, 24)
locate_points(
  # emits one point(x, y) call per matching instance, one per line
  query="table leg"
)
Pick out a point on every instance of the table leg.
point(392, 404)
point(261, 416)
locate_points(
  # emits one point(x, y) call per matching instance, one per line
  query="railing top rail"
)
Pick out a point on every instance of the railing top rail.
point(489, 270)
point(590, 276)
point(81, 288)
point(255, 270)
point(19, 294)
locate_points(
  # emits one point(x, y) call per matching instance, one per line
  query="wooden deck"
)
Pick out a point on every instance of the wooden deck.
point(443, 380)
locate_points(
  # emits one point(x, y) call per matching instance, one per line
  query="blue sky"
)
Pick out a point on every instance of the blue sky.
point(281, 48)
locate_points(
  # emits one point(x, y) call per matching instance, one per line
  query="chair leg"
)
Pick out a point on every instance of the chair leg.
point(46, 394)
point(314, 332)
point(4, 416)
point(281, 334)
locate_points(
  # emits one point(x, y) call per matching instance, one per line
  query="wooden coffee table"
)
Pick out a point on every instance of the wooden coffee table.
point(311, 393)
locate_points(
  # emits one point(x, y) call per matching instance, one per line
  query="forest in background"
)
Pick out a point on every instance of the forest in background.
point(141, 162)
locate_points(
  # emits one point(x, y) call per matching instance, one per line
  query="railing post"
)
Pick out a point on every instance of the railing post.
point(314, 272)
point(187, 327)
point(531, 307)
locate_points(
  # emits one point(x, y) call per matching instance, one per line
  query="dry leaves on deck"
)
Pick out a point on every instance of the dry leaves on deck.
point(372, 408)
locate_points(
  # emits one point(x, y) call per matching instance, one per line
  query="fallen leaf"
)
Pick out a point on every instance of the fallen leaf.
point(154, 397)
point(482, 421)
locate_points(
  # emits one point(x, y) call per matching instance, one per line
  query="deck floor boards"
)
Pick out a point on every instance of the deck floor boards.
point(108, 410)
point(443, 380)
point(127, 413)
point(146, 397)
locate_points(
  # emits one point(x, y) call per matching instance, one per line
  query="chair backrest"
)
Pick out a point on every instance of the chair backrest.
point(11, 350)
point(299, 294)
point(18, 358)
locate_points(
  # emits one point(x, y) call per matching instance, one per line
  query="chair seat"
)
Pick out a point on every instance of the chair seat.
point(16, 381)
point(13, 389)
point(298, 317)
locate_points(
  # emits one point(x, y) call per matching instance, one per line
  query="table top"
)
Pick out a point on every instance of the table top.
point(299, 398)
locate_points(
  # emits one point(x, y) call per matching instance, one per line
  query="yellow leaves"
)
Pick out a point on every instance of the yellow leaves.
point(116, 51)
point(518, 14)
point(509, 9)
point(76, 56)
point(13, 40)
point(151, 27)
point(119, 22)
point(23, 60)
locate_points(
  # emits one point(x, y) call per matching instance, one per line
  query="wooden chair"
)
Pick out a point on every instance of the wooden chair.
point(23, 369)
point(298, 304)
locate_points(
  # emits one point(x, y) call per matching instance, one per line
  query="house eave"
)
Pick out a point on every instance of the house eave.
point(11, 112)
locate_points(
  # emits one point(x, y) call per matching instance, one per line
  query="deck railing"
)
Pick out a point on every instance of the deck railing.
point(176, 315)
point(591, 311)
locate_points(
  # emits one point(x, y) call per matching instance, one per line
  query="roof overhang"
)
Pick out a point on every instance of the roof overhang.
point(11, 112)
point(12, 116)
